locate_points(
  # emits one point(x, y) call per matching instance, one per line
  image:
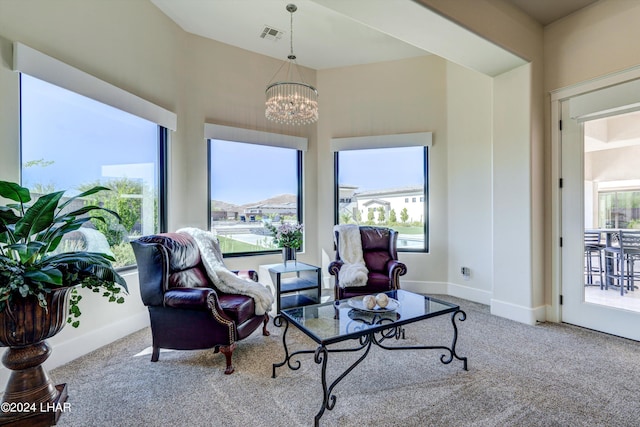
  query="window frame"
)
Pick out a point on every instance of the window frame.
point(161, 159)
point(336, 209)
point(245, 136)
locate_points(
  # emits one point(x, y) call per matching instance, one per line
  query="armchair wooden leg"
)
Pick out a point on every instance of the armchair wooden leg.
point(227, 350)
point(155, 354)
point(264, 326)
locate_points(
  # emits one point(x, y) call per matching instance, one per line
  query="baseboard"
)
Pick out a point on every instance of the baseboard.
point(521, 314)
point(453, 289)
point(527, 315)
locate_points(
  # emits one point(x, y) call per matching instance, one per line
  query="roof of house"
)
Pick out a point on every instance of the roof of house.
point(398, 191)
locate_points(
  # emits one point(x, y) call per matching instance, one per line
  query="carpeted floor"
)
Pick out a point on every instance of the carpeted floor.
point(519, 375)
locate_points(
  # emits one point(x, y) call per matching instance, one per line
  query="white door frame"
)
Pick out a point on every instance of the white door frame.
point(554, 313)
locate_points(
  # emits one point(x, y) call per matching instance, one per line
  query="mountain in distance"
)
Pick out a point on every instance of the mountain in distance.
point(218, 205)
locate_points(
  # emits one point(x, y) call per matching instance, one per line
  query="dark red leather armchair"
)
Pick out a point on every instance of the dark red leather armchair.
point(379, 250)
point(187, 312)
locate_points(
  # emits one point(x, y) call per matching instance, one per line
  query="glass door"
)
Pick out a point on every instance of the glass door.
point(600, 198)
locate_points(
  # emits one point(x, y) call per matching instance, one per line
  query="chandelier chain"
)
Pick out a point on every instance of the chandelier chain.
point(291, 36)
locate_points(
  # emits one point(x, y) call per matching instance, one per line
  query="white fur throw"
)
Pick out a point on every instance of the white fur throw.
point(353, 271)
point(224, 279)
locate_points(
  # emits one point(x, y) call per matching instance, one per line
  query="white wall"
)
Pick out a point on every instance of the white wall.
point(469, 174)
point(513, 245)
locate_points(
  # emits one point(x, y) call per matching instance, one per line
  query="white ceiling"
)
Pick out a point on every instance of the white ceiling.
point(612, 132)
point(339, 33)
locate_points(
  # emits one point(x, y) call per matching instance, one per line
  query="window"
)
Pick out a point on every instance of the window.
point(71, 142)
point(619, 209)
point(251, 185)
point(381, 182)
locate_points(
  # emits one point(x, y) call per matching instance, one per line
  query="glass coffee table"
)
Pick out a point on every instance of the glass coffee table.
point(337, 321)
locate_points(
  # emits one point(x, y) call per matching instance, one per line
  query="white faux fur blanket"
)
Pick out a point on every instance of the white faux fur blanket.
point(353, 272)
point(224, 279)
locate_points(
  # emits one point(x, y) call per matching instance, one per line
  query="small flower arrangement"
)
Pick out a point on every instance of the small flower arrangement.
point(286, 235)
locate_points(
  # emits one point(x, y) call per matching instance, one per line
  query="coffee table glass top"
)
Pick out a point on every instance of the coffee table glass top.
point(336, 321)
point(292, 266)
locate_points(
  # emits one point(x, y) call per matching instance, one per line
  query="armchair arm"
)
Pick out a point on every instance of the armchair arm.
point(334, 267)
point(188, 298)
point(334, 270)
point(201, 299)
point(396, 269)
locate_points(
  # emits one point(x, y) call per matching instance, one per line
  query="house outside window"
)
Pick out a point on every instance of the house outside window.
point(70, 142)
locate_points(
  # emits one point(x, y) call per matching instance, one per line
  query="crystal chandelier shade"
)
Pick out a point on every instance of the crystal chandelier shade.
point(290, 102)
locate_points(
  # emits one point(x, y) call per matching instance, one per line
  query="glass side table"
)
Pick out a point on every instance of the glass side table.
point(296, 284)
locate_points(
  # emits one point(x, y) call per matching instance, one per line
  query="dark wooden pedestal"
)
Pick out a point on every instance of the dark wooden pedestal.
point(49, 417)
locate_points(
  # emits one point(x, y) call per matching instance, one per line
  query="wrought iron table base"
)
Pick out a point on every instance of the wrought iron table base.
point(365, 341)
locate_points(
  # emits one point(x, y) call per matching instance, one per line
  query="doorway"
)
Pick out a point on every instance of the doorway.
point(600, 197)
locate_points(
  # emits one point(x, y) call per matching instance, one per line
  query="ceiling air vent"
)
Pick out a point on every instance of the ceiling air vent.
point(270, 33)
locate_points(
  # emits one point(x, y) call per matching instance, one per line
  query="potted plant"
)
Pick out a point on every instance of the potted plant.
point(38, 289)
point(288, 237)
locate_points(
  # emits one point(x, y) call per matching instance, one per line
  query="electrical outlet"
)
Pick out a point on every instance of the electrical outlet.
point(465, 271)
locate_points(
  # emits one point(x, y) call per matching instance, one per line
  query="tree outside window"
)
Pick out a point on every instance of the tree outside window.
point(71, 142)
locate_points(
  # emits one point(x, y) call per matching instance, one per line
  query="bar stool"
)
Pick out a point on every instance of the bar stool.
point(624, 257)
point(593, 249)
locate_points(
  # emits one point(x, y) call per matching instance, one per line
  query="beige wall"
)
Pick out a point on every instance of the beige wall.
point(595, 41)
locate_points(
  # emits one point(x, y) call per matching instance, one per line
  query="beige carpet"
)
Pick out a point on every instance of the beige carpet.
point(519, 375)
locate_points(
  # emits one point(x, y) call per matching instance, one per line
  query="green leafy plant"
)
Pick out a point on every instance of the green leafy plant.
point(29, 236)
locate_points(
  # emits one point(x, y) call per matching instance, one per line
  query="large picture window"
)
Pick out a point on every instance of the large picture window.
point(385, 187)
point(252, 185)
point(71, 142)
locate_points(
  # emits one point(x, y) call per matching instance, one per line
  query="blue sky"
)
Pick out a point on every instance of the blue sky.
point(377, 169)
point(79, 135)
point(262, 172)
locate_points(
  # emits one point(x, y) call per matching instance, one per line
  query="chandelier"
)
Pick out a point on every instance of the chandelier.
point(291, 102)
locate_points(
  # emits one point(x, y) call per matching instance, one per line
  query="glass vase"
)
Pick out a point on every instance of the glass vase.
point(289, 254)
